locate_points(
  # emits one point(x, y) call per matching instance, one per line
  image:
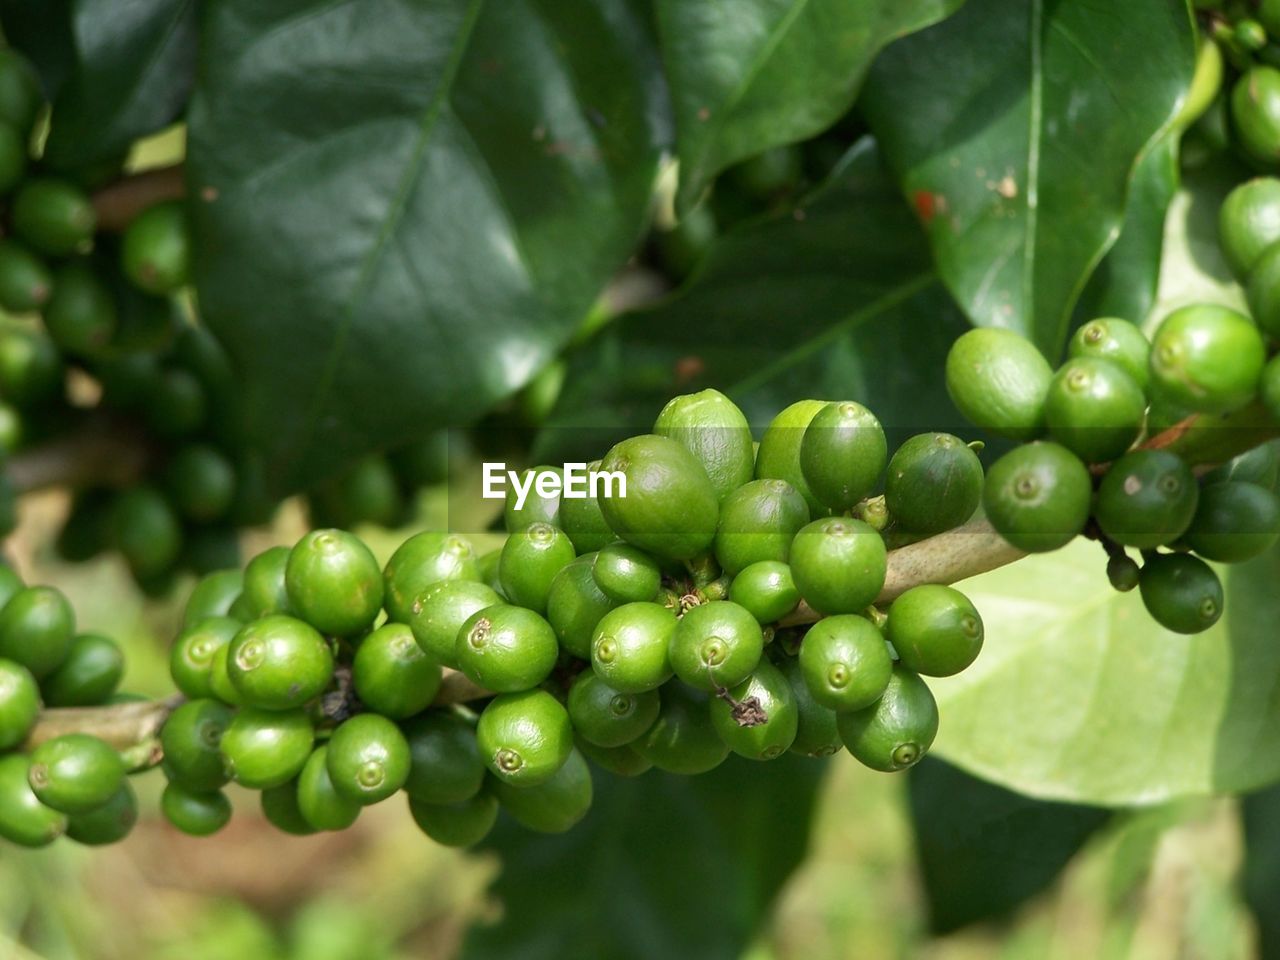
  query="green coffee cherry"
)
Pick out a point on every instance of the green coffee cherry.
point(1181, 592)
point(758, 521)
point(537, 507)
point(626, 574)
point(605, 717)
point(1263, 291)
point(156, 252)
point(671, 508)
point(265, 748)
point(36, 627)
point(201, 482)
point(25, 281)
point(30, 368)
point(842, 454)
point(321, 805)
point(583, 521)
point(13, 157)
point(109, 823)
point(1255, 108)
point(438, 613)
point(19, 703)
point(1147, 499)
point(281, 809)
point(936, 630)
point(420, 562)
point(192, 742)
point(712, 428)
point(1269, 387)
point(1094, 409)
point(816, 733)
point(838, 564)
point(1260, 466)
point(24, 820)
point(146, 531)
point(766, 590)
point(366, 493)
point(1234, 522)
point(506, 648)
point(75, 773)
point(1037, 496)
point(392, 675)
point(333, 582)
point(553, 806)
point(998, 380)
point(683, 739)
point(845, 662)
point(81, 313)
point(220, 684)
point(1207, 358)
point(20, 96)
point(178, 406)
point(457, 824)
point(895, 732)
point(279, 662)
point(194, 813)
point(368, 759)
point(934, 483)
point(716, 645)
point(212, 596)
point(1121, 342)
point(620, 761)
point(1249, 222)
point(1205, 83)
point(53, 216)
point(89, 674)
point(445, 765)
point(779, 455)
point(576, 605)
point(191, 658)
point(761, 720)
point(630, 647)
point(525, 737)
point(529, 562)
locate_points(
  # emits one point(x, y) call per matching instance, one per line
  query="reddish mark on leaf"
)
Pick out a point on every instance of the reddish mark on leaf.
point(704, 114)
point(689, 368)
point(929, 205)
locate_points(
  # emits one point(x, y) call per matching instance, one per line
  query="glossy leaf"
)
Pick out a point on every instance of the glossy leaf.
point(1126, 281)
point(1260, 813)
point(984, 850)
point(1013, 128)
point(840, 301)
point(135, 64)
point(754, 74)
point(1078, 695)
point(406, 208)
point(663, 866)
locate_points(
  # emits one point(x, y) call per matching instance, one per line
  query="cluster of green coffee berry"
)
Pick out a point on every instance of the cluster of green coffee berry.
point(73, 784)
point(1115, 389)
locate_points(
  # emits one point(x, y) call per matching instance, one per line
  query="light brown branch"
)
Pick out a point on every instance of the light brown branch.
point(118, 203)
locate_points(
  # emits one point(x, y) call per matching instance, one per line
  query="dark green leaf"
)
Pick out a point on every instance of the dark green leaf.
point(41, 29)
point(1125, 283)
point(663, 866)
point(754, 74)
point(406, 208)
point(1013, 128)
point(1261, 814)
point(984, 850)
point(133, 74)
point(836, 299)
point(1080, 696)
